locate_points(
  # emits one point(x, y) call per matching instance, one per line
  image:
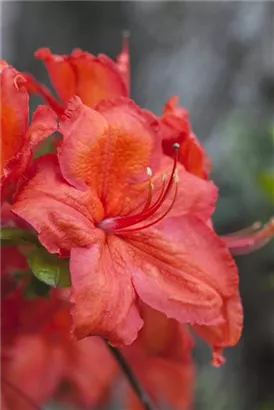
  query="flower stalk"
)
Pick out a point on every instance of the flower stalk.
point(132, 379)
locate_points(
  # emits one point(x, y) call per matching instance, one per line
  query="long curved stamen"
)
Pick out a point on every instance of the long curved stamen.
point(250, 239)
point(176, 179)
point(126, 221)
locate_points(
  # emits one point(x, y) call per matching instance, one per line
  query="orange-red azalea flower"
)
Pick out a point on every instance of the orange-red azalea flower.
point(135, 223)
point(18, 138)
point(92, 78)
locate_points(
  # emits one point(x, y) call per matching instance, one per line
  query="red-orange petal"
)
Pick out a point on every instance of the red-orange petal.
point(35, 367)
point(62, 215)
point(184, 270)
point(161, 359)
point(195, 196)
point(176, 128)
point(33, 86)
point(103, 297)
point(227, 333)
point(14, 113)
point(89, 380)
point(44, 123)
point(82, 74)
point(60, 71)
point(108, 151)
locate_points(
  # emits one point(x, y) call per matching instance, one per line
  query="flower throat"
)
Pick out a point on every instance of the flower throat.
point(129, 224)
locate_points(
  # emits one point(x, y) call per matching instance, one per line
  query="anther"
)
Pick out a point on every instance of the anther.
point(120, 225)
point(149, 172)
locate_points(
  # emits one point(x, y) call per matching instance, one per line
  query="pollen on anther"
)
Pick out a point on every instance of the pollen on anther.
point(149, 172)
point(163, 177)
point(176, 145)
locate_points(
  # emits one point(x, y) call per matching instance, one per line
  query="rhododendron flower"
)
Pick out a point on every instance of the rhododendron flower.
point(18, 139)
point(92, 78)
point(135, 224)
point(161, 359)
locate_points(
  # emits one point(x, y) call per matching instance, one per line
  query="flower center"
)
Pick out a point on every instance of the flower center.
point(131, 223)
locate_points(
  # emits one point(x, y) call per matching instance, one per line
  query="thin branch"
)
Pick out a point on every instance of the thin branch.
point(20, 392)
point(132, 379)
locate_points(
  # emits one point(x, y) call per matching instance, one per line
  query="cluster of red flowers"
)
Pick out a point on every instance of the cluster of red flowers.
point(124, 198)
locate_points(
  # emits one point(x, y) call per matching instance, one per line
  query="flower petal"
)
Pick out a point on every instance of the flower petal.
point(35, 368)
point(60, 71)
point(108, 151)
point(88, 379)
point(44, 123)
point(194, 195)
point(102, 292)
point(227, 333)
point(81, 73)
point(176, 128)
point(161, 359)
point(62, 215)
point(184, 270)
point(14, 113)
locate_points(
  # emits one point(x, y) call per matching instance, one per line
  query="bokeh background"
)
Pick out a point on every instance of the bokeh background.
point(218, 57)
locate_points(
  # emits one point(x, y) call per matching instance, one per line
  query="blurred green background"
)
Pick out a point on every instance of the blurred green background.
point(218, 57)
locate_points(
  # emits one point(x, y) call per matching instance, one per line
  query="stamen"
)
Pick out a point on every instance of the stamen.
point(176, 180)
point(127, 221)
point(118, 225)
point(249, 239)
point(150, 189)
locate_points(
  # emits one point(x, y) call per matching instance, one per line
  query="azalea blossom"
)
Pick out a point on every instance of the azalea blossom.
point(18, 138)
point(135, 224)
point(92, 78)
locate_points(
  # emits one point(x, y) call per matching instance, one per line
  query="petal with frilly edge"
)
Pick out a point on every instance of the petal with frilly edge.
point(108, 151)
point(14, 112)
point(103, 297)
point(62, 215)
point(183, 270)
point(176, 128)
point(81, 73)
point(227, 333)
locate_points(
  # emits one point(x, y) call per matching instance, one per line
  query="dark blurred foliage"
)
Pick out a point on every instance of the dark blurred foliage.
point(218, 57)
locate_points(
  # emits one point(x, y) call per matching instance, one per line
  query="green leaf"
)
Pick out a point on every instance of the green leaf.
point(15, 236)
point(35, 288)
point(48, 268)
